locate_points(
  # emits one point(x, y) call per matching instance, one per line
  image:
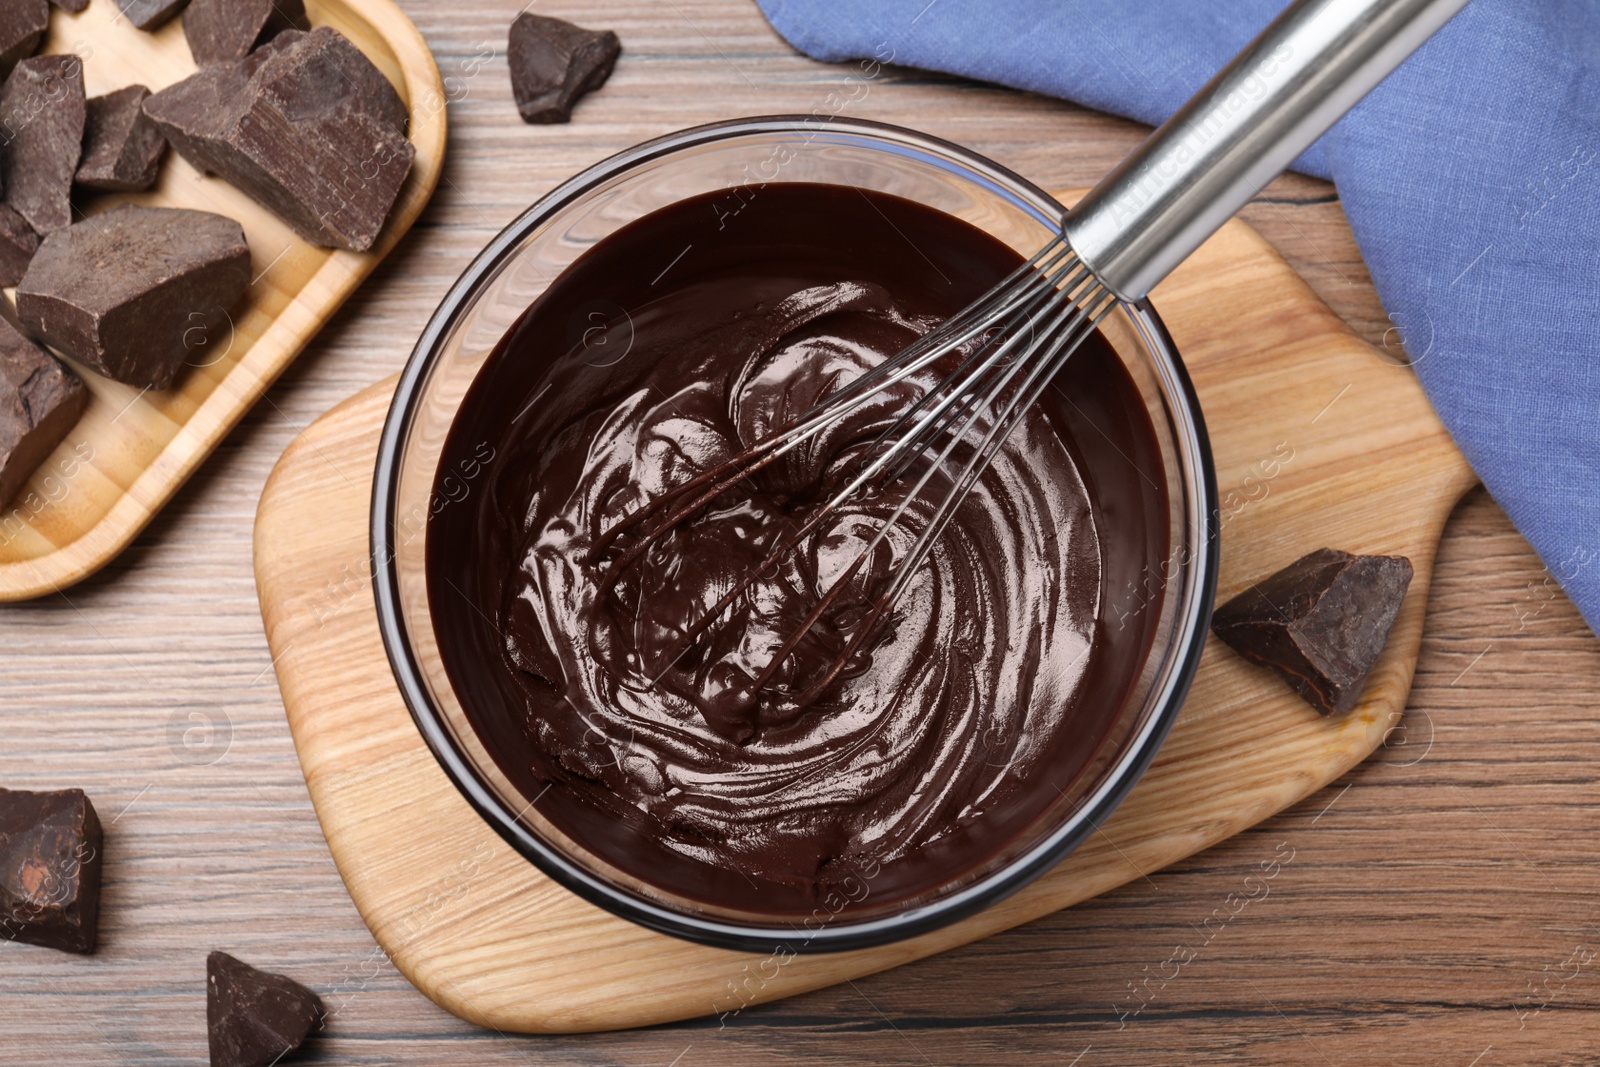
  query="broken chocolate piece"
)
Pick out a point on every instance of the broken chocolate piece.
point(73, 6)
point(40, 401)
point(1320, 623)
point(22, 27)
point(50, 859)
point(134, 292)
point(151, 14)
point(306, 125)
point(18, 243)
point(553, 63)
point(122, 148)
point(42, 113)
point(220, 31)
point(255, 1018)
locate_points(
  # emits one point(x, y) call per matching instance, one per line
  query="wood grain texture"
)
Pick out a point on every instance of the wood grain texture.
point(133, 448)
point(482, 933)
point(1435, 888)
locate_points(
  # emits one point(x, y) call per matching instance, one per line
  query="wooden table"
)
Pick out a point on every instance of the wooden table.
point(1439, 907)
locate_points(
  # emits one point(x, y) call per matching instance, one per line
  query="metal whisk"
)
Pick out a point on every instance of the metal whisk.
point(1304, 71)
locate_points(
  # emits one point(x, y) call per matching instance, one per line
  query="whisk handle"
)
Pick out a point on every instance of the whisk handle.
point(1272, 100)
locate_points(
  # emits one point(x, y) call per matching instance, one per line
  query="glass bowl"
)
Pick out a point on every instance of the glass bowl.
point(1174, 598)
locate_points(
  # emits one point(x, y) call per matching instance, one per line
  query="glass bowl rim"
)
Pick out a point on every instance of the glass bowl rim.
point(1190, 628)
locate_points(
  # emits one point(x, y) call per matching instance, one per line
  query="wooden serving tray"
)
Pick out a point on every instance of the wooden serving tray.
point(131, 450)
point(1318, 441)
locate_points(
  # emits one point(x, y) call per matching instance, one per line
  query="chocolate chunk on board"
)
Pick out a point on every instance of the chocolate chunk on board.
point(40, 401)
point(151, 14)
point(122, 148)
point(42, 114)
point(1319, 623)
point(306, 125)
point(135, 292)
point(50, 859)
point(73, 6)
point(18, 243)
point(22, 27)
point(255, 1018)
point(553, 63)
point(220, 31)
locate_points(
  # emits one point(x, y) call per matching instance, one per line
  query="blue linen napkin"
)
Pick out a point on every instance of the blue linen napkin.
point(1471, 178)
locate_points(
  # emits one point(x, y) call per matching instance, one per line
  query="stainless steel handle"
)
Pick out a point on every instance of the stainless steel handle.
point(1305, 70)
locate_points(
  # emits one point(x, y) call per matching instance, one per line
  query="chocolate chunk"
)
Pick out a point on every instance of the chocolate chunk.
point(306, 125)
point(22, 27)
point(73, 6)
point(151, 14)
point(255, 1018)
point(220, 31)
point(132, 292)
point(1320, 623)
point(554, 62)
point(122, 148)
point(40, 401)
point(42, 112)
point(50, 859)
point(18, 243)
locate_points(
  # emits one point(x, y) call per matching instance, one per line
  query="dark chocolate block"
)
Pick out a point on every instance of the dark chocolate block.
point(151, 14)
point(18, 243)
point(50, 859)
point(255, 1018)
point(122, 148)
point(42, 113)
point(1320, 623)
point(73, 6)
point(553, 63)
point(133, 292)
point(40, 401)
point(220, 31)
point(22, 27)
point(306, 125)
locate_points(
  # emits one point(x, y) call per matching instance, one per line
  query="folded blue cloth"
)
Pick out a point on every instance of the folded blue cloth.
point(1471, 178)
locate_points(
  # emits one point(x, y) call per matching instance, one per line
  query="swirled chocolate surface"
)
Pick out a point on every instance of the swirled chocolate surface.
point(667, 349)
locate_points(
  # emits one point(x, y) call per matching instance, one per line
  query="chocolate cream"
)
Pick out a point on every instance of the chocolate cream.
point(662, 352)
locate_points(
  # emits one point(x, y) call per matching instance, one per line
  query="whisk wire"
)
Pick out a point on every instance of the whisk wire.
point(960, 329)
point(960, 391)
point(1073, 322)
point(925, 350)
point(1031, 321)
point(1042, 373)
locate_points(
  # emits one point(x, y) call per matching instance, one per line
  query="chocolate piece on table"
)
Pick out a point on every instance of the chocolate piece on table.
point(151, 14)
point(42, 113)
point(22, 27)
point(18, 243)
point(255, 1018)
point(220, 31)
point(40, 401)
point(306, 125)
point(554, 62)
point(1319, 623)
point(50, 860)
point(73, 6)
point(132, 292)
point(122, 148)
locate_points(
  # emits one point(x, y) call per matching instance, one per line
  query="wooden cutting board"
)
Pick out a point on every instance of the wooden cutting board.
point(1319, 440)
point(132, 450)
